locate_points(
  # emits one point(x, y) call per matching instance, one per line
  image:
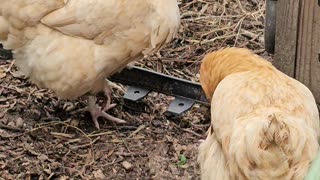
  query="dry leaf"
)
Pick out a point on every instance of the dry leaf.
point(2, 74)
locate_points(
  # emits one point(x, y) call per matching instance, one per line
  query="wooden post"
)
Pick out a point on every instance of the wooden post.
point(286, 35)
point(297, 49)
point(308, 47)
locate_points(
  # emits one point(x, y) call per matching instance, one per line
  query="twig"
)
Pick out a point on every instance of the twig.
point(194, 133)
point(85, 145)
point(136, 131)
point(2, 126)
point(10, 66)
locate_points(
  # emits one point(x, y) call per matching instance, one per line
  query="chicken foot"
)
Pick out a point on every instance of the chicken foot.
point(97, 111)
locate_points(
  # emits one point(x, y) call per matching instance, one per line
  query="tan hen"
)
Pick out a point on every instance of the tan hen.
point(264, 124)
point(71, 46)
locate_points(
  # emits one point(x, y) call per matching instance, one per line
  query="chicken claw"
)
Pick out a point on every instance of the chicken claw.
point(96, 111)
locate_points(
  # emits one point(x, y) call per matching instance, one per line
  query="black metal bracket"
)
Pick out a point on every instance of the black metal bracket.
point(135, 93)
point(180, 105)
point(5, 54)
point(186, 93)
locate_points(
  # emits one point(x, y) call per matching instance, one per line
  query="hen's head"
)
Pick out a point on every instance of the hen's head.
point(214, 67)
point(221, 63)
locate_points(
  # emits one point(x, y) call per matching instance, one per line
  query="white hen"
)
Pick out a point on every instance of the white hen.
point(70, 46)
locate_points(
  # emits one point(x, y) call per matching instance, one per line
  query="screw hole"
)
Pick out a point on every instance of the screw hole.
point(136, 92)
point(181, 104)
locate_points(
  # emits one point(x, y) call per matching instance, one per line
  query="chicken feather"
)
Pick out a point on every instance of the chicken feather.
point(71, 46)
point(264, 124)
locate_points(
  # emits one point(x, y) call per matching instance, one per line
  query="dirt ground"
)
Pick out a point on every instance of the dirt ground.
point(43, 137)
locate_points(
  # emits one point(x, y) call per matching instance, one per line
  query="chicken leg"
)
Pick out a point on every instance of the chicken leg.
point(96, 111)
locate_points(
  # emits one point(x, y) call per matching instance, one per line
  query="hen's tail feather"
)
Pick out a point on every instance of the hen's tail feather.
point(276, 147)
point(212, 161)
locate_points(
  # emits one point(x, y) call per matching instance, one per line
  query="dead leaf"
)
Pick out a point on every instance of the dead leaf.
point(42, 157)
point(2, 156)
point(2, 74)
point(64, 177)
point(18, 74)
point(109, 154)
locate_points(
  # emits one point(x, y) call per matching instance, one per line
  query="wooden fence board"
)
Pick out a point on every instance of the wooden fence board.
point(286, 35)
point(308, 47)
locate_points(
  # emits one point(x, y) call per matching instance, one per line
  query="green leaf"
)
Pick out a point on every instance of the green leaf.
point(182, 160)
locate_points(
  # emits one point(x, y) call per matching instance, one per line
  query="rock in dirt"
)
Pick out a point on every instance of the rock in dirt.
point(127, 165)
point(19, 122)
point(74, 122)
point(11, 124)
point(99, 174)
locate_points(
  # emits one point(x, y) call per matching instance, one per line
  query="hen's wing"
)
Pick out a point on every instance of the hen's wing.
point(86, 19)
point(99, 19)
point(16, 19)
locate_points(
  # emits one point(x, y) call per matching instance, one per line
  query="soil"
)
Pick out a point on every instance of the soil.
point(44, 137)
